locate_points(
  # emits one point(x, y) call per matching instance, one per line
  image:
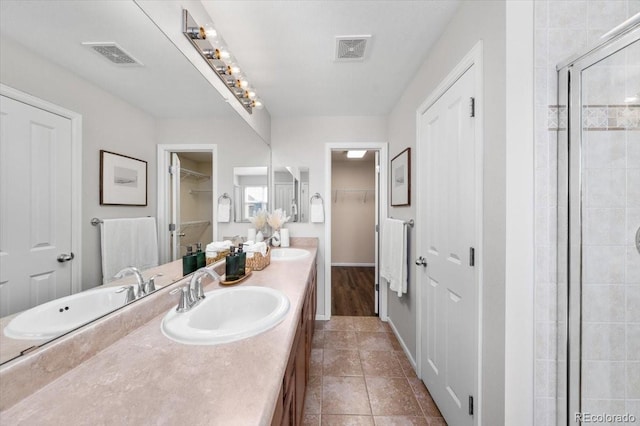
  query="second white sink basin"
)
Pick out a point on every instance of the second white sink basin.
point(227, 315)
point(288, 254)
point(59, 316)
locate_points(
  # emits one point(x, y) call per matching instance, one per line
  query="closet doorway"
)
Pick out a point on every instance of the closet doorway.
point(186, 196)
point(355, 214)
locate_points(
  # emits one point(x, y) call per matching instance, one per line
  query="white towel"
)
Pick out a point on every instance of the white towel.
point(212, 249)
point(128, 242)
point(317, 213)
point(393, 256)
point(224, 211)
point(260, 247)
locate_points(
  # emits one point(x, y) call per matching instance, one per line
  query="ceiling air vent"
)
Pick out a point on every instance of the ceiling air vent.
point(113, 53)
point(351, 48)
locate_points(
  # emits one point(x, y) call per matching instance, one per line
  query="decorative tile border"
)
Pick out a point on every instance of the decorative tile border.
point(597, 117)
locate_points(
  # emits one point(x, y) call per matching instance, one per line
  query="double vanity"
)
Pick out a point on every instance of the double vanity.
point(240, 356)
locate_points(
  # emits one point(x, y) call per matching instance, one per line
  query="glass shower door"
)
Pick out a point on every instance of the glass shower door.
point(604, 216)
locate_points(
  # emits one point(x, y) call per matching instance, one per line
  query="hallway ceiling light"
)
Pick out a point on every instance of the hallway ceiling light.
point(358, 153)
point(210, 44)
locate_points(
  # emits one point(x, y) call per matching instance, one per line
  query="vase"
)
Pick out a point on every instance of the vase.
point(259, 237)
point(275, 239)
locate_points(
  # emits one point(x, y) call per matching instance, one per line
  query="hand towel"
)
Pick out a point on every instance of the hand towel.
point(250, 249)
point(128, 242)
point(393, 256)
point(224, 211)
point(215, 247)
point(317, 213)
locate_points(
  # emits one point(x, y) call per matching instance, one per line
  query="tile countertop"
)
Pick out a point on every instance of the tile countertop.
point(145, 378)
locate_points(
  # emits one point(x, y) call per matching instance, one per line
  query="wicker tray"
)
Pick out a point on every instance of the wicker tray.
point(258, 262)
point(221, 255)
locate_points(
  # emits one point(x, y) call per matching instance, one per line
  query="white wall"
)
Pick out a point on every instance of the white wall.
point(300, 141)
point(474, 20)
point(353, 213)
point(107, 123)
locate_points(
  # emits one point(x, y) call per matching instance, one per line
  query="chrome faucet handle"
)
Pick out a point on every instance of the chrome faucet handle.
point(150, 286)
point(186, 299)
point(130, 296)
point(198, 292)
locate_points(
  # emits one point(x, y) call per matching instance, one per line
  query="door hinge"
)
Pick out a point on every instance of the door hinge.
point(377, 286)
point(377, 227)
point(171, 170)
point(472, 107)
point(472, 256)
point(172, 227)
point(471, 405)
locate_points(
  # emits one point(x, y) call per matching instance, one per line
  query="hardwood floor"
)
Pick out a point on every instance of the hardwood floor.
point(352, 291)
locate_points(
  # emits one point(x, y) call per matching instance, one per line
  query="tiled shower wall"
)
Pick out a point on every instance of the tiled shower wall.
point(562, 28)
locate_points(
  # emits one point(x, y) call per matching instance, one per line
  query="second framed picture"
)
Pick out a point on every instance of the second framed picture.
point(401, 179)
point(123, 180)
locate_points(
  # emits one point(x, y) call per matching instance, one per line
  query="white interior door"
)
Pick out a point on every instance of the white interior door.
point(448, 293)
point(35, 206)
point(175, 206)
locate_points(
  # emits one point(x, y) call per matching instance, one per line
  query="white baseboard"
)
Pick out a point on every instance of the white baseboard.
point(354, 264)
point(404, 346)
point(320, 317)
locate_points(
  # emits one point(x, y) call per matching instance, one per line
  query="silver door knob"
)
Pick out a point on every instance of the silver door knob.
point(181, 234)
point(421, 261)
point(65, 257)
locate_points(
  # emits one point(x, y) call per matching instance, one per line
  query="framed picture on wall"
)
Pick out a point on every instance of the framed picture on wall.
point(123, 180)
point(401, 179)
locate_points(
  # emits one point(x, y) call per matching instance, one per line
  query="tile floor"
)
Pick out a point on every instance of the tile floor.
point(359, 375)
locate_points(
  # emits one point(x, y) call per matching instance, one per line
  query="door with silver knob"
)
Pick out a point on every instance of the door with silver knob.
point(421, 261)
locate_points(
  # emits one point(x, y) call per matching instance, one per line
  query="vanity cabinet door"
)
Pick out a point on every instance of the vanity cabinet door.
point(278, 411)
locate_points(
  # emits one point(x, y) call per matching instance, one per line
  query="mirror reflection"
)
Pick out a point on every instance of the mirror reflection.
point(127, 108)
point(251, 191)
point(291, 192)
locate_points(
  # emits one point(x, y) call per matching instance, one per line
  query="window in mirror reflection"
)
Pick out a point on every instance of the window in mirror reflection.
point(251, 191)
point(255, 198)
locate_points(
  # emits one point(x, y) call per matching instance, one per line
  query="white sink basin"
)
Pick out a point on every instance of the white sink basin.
point(227, 315)
point(59, 316)
point(288, 254)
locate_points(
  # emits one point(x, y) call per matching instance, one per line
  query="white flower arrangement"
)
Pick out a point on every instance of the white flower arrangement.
point(277, 219)
point(260, 219)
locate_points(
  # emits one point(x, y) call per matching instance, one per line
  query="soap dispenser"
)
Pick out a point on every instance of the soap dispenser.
point(201, 258)
point(242, 261)
point(189, 262)
point(232, 265)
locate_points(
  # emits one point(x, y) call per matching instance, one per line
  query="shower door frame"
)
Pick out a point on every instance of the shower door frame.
point(570, 199)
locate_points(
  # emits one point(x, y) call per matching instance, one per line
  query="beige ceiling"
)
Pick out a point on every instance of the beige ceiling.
point(287, 50)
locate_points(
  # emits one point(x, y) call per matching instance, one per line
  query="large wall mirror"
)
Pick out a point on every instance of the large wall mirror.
point(128, 105)
point(291, 192)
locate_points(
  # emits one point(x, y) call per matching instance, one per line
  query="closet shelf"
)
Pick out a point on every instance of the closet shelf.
point(200, 191)
point(364, 193)
point(191, 174)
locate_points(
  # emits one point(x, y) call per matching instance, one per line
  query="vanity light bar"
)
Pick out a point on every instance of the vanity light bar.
point(220, 61)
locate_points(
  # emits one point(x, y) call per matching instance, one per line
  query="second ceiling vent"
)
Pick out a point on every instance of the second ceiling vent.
point(351, 48)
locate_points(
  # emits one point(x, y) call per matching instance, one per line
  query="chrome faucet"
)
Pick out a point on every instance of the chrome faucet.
point(135, 271)
point(195, 285)
point(192, 293)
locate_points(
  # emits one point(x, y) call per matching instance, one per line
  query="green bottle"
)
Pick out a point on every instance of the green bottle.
point(242, 261)
point(201, 258)
point(232, 265)
point(189, 264)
